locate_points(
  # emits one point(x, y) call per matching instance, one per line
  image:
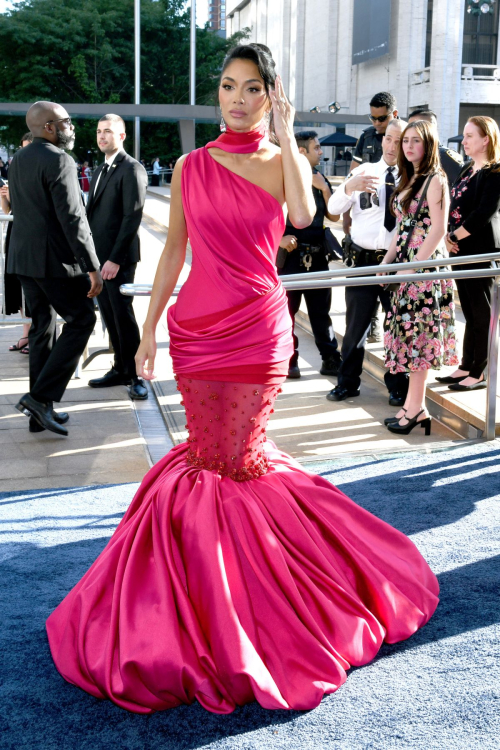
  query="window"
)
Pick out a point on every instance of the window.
point(480, 39)
point(428, 33)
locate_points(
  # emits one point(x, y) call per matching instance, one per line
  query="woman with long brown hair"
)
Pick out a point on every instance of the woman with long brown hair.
point(419, 328)
point(474, 229)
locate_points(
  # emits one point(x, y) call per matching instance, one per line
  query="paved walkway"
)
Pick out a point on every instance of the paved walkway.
point(107, 445)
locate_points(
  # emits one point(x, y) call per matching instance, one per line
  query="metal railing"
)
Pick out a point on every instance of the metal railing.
point(366, 276)
point(164, 171)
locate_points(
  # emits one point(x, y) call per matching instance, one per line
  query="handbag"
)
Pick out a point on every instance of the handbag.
point(393, 287)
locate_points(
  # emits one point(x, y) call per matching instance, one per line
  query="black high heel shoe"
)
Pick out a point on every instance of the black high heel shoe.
point(447, 379)
point(407, 428)
point(393, 420)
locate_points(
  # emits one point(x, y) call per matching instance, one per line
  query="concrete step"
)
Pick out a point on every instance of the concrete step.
point(463, 413)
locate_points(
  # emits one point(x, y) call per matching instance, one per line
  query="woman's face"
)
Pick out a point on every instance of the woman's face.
point(242, 96)
point(413, 147)
point(474, 143)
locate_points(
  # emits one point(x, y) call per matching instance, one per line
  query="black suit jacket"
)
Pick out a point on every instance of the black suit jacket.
point(115, 211)
point(50, 234)
point(479, 209)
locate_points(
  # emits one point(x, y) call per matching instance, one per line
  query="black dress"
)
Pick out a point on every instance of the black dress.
point(12, 285)
point(475, 206)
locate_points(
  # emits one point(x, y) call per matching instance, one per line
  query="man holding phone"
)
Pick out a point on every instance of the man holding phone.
point(367, 191)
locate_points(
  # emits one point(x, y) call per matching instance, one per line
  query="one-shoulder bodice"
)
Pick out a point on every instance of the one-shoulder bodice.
point(231, 318)
point(234, 229)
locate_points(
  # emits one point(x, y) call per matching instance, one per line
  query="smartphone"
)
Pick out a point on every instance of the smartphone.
point(4, 183)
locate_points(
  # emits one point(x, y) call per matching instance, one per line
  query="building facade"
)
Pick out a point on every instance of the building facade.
point(217, 15)
point(442, 54)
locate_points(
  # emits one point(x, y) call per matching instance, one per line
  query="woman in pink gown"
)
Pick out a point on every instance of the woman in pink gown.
point(235, 575)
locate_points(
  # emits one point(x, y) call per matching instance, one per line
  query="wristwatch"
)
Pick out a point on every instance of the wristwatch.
point(453, 237)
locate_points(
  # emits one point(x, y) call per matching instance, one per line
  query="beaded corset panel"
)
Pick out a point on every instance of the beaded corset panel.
point(227, 425)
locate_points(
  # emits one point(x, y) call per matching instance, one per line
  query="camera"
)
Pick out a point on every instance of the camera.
point(367, 200)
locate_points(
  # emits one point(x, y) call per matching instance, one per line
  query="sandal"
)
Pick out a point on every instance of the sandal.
point(25, 349)
point(17, 347)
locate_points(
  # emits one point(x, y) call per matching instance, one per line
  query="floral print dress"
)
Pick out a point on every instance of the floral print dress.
point(420, 326)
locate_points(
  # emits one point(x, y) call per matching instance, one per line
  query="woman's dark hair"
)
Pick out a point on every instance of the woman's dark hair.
point(430, 164)
point(263, 59)
point(26, 137)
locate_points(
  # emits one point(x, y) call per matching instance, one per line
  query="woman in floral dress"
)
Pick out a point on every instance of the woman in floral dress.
point(420, 328)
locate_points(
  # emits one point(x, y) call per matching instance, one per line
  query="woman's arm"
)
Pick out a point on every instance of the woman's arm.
point(297, 177)
point(168, 271)
point(439, 203)
point(390, 255)
point(4, 200)
point(487, 205)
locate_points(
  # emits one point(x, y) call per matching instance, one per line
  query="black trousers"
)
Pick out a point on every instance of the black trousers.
point(361, 301)
point(318, 303)
point(52, 362)
point(118, 314)
point(475, 299)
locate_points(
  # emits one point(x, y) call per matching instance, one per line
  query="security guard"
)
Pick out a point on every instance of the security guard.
point(304, 250)
point(451, 161)
point(368, 192)
point(369, 149)
point(369, 145)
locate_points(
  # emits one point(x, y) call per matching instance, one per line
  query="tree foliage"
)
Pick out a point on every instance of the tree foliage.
point(83, 51)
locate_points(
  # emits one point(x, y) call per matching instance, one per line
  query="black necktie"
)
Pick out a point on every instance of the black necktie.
point(104, 171)
point(389, 219)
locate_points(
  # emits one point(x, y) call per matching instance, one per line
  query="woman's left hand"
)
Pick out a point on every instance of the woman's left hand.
point(283, 111)
point(452, 247)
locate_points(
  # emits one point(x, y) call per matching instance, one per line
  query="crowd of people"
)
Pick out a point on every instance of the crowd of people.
point(396, 208)
point(153, 168)
point(64, 252)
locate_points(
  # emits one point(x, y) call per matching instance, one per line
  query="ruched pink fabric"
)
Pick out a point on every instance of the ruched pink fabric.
point(235, 575)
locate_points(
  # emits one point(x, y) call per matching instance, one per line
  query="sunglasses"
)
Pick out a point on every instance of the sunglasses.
point(382, 118)
point(65, 120)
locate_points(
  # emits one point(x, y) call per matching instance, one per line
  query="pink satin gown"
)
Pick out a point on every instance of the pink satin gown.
point(235, 575)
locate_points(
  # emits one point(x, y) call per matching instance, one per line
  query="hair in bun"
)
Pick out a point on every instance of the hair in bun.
point(263, 59)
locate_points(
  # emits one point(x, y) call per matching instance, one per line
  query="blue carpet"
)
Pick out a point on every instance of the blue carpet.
point(436, 691)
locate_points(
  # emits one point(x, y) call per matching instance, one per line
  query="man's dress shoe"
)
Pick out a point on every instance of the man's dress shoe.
point(330, 366)
point(137, 390)
point(41, 413)
point(113, 377)
point(61, 417)
point(339, 393)
point(396, 398)
point(293, 372)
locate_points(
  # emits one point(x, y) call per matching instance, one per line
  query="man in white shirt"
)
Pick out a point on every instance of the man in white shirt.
point(366, 192)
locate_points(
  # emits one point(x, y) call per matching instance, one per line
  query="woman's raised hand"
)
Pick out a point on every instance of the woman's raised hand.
point(145, 357)
point(283, 111)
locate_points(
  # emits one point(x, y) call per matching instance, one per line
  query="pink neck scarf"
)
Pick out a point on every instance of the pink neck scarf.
point(241, 143)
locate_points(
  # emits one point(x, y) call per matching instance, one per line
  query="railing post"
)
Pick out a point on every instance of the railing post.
point(491, 391)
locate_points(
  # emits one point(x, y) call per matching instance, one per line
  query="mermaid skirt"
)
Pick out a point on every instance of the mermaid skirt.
point(236, 576)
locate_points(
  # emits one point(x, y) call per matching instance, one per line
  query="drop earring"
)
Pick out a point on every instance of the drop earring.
point(222, 125)
point(266, 120)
